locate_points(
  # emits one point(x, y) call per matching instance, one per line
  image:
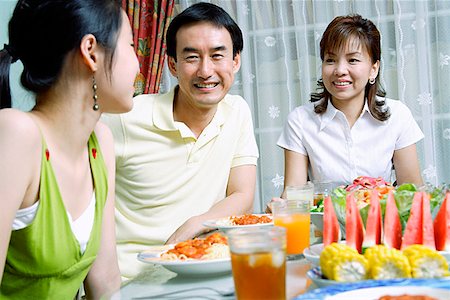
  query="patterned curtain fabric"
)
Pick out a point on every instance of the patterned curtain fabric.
point(149, 19)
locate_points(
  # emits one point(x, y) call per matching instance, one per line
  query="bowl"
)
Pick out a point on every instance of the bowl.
point(312, 254)
point(317, 220)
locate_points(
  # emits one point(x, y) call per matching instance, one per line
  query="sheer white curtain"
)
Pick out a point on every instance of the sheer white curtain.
point(281, 64)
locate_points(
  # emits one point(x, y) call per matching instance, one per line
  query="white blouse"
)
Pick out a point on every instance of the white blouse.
point(81, 227)
point(339, 153)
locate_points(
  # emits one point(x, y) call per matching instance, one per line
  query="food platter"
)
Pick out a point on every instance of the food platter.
point(312, 253)
point(438, 288)
point(192, 267)
point(226, 224)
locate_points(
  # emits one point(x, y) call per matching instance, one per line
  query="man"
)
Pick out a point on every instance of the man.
point(190, 155)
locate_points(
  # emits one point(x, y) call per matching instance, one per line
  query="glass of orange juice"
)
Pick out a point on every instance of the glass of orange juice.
point(294, 215)
point(258, 261)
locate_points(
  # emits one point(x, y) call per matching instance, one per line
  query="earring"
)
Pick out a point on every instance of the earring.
point(372, 80)
point(94, 89)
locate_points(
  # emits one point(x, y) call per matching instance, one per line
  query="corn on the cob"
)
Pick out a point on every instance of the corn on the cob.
point(329, 254)
point(342, 263)
point(387, 263)
point(425, 262)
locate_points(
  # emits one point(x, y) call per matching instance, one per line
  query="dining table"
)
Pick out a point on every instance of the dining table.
point(156, 282)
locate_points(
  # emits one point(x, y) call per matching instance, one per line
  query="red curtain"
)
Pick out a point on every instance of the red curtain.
point(149, 20)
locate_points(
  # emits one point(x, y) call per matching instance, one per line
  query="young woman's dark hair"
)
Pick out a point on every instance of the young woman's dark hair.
point(353, 28)
point(204, 12)
point(42, 33)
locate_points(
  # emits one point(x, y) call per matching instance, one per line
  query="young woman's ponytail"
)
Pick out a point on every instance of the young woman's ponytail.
point(7, 57)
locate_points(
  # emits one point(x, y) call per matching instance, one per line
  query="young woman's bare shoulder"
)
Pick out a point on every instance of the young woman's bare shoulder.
point(20, 148)
point(103, 133)
point(105, 139)
point(17, 126)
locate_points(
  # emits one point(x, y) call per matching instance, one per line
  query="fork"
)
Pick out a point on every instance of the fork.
point(223, 293)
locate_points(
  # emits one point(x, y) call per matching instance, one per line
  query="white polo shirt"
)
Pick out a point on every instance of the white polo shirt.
point(164, 175)
point(339, 153)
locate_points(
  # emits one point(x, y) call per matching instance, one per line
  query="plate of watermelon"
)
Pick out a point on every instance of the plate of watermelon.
point(375, 213)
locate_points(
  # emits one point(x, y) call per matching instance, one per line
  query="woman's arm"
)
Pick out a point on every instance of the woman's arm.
point(295, 169)
point(19, 171)
point(104, 277)
point(406, 164)
point(295, 173)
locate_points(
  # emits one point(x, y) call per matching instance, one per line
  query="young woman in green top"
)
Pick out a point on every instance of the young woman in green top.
point(56, 161)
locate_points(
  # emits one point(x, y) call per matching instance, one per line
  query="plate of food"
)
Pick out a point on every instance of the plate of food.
point(247, 220)
point(198, 257)
point(435, 289)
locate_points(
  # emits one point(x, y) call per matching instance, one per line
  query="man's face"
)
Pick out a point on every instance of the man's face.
point(205, 65)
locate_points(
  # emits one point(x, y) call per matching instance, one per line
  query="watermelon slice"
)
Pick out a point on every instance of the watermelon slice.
point(392, 237)
point(354, 228)
point(427, 223)
point(442, 226)
point(330, 223)
point(373, 233)
point(413, 230)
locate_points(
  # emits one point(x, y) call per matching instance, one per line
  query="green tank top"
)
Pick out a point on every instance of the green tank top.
point(44, 259)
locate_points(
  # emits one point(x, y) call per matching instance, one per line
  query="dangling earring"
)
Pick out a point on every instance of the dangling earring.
point(372, 80)
point(94, 89)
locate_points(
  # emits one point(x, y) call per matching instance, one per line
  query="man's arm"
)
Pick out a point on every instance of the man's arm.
point(239, 200)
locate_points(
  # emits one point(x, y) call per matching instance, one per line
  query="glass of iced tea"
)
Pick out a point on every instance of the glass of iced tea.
point(294, 215)
point(258, 261)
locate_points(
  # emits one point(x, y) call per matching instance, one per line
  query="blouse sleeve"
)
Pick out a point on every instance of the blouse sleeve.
point(410, 130)
point(291, 136)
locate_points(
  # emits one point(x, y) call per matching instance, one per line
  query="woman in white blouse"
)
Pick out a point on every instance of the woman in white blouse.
point(349, 128)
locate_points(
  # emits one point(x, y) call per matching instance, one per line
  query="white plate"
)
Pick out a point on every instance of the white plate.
point(373, 289)
point(377, 292)
point(194, 267)
point(223, 223)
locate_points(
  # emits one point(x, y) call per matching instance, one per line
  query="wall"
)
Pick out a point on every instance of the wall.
point(21, 98)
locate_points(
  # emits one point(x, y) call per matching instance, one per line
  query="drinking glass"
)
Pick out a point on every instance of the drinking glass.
point(322, 189)
point(294, 215)
point(258, 261)
point(301, 192)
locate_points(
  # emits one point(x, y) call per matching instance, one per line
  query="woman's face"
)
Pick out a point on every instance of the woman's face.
point(346, 71)
point(116, 92)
